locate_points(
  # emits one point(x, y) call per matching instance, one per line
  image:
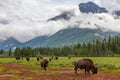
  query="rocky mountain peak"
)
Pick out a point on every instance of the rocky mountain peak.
point(91, 7)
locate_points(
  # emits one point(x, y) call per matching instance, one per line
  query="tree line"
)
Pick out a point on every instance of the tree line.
point(105, 47)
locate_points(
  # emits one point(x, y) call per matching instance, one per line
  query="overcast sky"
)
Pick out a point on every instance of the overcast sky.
point(25, 19)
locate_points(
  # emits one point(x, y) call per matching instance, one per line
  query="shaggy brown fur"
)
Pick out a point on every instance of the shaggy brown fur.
point(38, 59)
point(44, 64)
point(27, 58)
point(17, 58)
point(56, 58)
point(86, 64)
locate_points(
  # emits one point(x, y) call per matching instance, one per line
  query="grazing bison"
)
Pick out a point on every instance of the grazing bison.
point(86, 64)
point(69, 57)
point(50, 59)
point(27, 58)
point(44, 63)
point(56, 58)
point(17, 58)
point(38, 59)
point(41, 57)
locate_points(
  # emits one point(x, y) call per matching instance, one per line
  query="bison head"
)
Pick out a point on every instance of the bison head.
point(94, 70)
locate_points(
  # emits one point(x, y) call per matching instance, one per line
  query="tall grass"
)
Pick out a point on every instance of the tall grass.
point(7, 60)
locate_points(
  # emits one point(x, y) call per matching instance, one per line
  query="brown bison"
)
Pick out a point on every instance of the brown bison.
point(17, 58)
point(41, 57)
point(44, 64)
point(86, 64)
point(56, 58)
point(38, 59)
point(69, 57)
point(50, 59)
point(27, 58)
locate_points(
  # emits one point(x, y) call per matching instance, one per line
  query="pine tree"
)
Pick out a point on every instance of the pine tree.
point(10, 52)
point(17, 52)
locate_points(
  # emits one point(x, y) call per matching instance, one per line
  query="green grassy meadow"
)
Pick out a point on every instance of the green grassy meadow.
point(103, 63)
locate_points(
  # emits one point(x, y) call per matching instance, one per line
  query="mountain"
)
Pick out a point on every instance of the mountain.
point(83, 7)
point(61, 38)
point(74, 35)
point(67, 36)
point(34, 42)
point(91, 7)
point(117, 13)
point(10, 43)
point(65, 15)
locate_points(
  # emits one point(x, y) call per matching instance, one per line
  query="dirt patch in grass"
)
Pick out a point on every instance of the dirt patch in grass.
point(67, 73)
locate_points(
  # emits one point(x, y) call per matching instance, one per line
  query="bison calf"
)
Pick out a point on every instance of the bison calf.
point(44, 63)
point(86, 64)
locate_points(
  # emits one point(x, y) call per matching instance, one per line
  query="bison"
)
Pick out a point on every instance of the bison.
point(86, 64)
point(27, 58)
point(56, 58)
point(69, 57)
point(38, 59)
point(17, 58)
point(50, 59)
point(41, 57)
point(44, 64)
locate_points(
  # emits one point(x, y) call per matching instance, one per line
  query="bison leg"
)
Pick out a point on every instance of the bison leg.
point(87, 70)
point(45, 67)
point(41, 67)
point(75, 68)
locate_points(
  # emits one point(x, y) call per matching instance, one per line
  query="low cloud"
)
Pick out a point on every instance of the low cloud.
point(26, 19)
